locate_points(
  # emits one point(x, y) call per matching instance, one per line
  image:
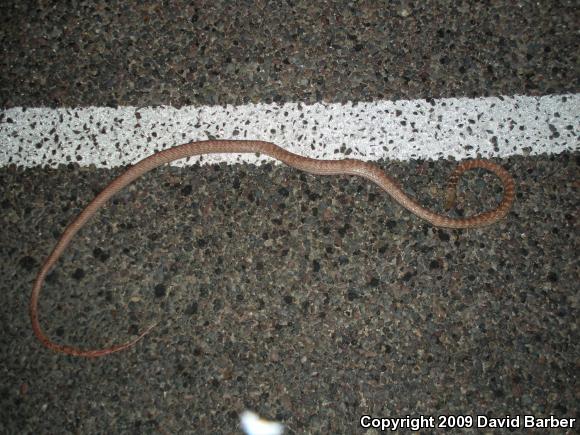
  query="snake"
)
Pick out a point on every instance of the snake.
point(354, 167)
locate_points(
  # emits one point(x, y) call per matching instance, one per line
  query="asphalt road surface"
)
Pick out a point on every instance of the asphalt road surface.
point(313, 301)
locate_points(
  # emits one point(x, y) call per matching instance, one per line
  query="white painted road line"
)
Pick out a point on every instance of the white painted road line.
point(399, 130)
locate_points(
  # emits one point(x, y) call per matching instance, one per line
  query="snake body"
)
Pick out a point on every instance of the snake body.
point(313, 166)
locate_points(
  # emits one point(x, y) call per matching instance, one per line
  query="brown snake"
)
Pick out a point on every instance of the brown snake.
point(313, 166)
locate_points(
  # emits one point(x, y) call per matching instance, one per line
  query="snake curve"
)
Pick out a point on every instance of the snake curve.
point(313, 166)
